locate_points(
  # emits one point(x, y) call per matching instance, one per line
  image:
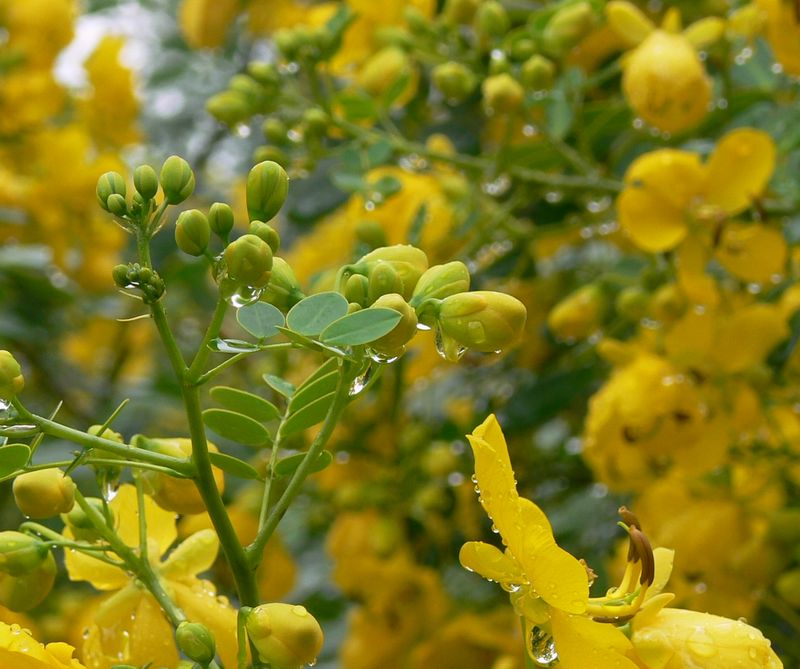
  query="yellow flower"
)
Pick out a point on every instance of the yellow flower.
point(670, 194)
point(129, 626)
point(205, 23)
point(19, 650)
point(783, 32)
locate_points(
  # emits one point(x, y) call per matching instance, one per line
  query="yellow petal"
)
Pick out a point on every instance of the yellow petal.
point(747, 336)
point(651, 224)
point(705, 32)
point(739, 169)
point(752, 253)
point(578, 639)
point(151, 636)
point(673, 177)
point(690, 339)
point(193, 555)
point(664, 559)
point(490, 562)
point(672, 20)
point(628, 21)
point(691, 258)
point(82, 567)
point(160, 523)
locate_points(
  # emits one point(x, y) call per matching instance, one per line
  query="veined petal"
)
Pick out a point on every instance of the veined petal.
point(555, 575)
point(490, 562)
point(160, 523)
point(193, 555)
point(582, 642)
point(739, 169)
point(652, 224)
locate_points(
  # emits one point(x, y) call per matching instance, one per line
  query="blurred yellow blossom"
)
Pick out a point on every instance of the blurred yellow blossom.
point(19, 650)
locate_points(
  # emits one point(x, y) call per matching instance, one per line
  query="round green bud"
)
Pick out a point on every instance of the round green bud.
point(264, 73)
point(440, 281)
point(79, 523)
point(270, 153)
point(120, 276)
point(356, 289)
point(394, 36)
point(538, 73)
point(283, 290)
point(109, 184)
point(491, 20)
point(407, 261)
point(499, 63)
point(352, 307)
point(370, 233)
point(482, 320)
point(392, 343)
point(21, 553)
point(266, 232)
point(24, 592)
point(286, 636)
point(502, 93)
point(43, 493)
point(460, 11)
point(521, 48)
point(275, 131)
point(316, 121)
point(579, 314)
point(249, 261)
point(145, 180)
point(249, 88)
point(177, 180)
point(192, 232)
point(220, 219)
point(11, 379)
point(632, 303)
point(267, 187)
point(229, 107)
point(384, 70)
point(116, 204)
point(196, 642)
point(567, 27)
point(288, 42)
point(455, 80)
point(383, 279)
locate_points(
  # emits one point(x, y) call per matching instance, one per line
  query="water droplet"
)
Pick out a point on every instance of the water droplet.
point(109, 489)
point(542, 648)
point(423, 327)
point(242, 130)
point(554, 196)
point(777, 68)
point(447, 347)
point(413, 162)
point(299, 610)
point(498, 186)
point(360, 382)
point(455, 479)
point(231, 346)
point(85, 633)
point(743, 56)
point(382, 358)
point(701, 644)
point(313, 662)
point(477, 333)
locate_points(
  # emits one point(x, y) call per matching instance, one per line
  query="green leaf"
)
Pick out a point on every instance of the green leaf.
point(356, 106)
point(260, 319)
point(236, 427)
point(247, 403)
point(309, 415)
point(13, 457)
point(313, 314)
point(288, 465)
point(379, 153)
point(233, 466)
point(232, 346)
point(387, 186)
point(361, 327)
point(322, 382)
point(279, 385)
point(348, 182)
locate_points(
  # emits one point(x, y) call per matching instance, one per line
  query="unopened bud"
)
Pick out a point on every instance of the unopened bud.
point(455, 80)
point(229, 107)
point(44, 493)
point(371, 233)
point(491, 20)
point(266, 232)
point(120, 276)
point(275, 131)
point(482, 320)
point(220, 219)
point(316, 121)
point(177, 180)
point(286, 636)
point(283, 290)
point(668, 303)
point(21, 553)
point(383, 279)
point(264, 73)
point(538, 73)
point(502, 93)
point(270, 154)
point(192, 232)
point(392, 343)
point(196, 642)
point(441, 281)
point(79, 523)
point(579, 314)
point(249, 261)
point(249, 89)
point(460, 11)
point(116, 204)
point(145, 180)
point(632, 303)
point(24, 592)
point(11, 379)
point(356, 290)
point(567, 27)
point(109, 184)
point(407, 261)
point(267, 187)
point(384, 70)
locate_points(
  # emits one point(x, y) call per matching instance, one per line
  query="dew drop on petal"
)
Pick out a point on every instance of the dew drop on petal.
point(543, 648)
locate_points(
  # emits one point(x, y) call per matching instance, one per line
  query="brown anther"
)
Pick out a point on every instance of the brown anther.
point(644, 552)
point(590, 573)
point(629, 517)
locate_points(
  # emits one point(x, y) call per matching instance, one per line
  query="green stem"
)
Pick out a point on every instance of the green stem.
point(255, 550)
point(142, 518)
point(241, 637)
point(211, 373)
point(194, 372)
point(57, 539)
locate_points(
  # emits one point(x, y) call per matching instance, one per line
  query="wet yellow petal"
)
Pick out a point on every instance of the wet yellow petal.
point(160, 523)
point(193, 555)
point(490, 562)
point(151, 636)
point(705, 32)
point(628, 21)
point(664, 559)
point(582, 642)
point(739, 169)
point(82, 567)
point(651, 224)
point(748, 335)
point(752, 253)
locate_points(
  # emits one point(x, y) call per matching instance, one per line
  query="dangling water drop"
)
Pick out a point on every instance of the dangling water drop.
point(382, 358)
point(543, 648)
point(447, 347)
point(244, 295)
point(360, 382)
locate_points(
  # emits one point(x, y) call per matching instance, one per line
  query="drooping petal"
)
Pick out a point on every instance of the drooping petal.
point(581, 642)
point(628, 22)
point(193, 555)
point(83, 567)
point(664, 559)
point(752, 253)
point(705, 32)
point(739, 169)
point(490, 562)
point(744, 339)
point(160, 523)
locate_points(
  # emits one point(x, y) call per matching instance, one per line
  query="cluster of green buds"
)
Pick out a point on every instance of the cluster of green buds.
point(27, 570)
point(145, 279)
point(247, 94)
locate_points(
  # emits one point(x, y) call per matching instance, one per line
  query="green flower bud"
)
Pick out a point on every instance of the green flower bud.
point(283, 290)
point(21, 553)
point(394, 36)
point(44, 493)
point(460, 11)
point(455, 80)
point(24, 592)
point(482, 320)
point(352, 307)
point(538, 73)
point(249, 261)
point(521, 48)
point(440, 281)
point(120, 276)
point(371, 233)
point(502, 93)
point(177, 180)
point(632, 303)
point(286, 636)
point(275, 131)
point(288, 41)
point(392, 343)
point(220, 219)
point(248, 88)
point(383, 279)
point(109, 184)
point(145, 181)
point(264, 73)
point(116, 204)
point(384, 70)
point(567, 27)
point(229, 107)
point(668, 303)
point(491, 20)
point(267, 187)
point(270, 154)
point(266, 232)
point(579, 314)
point(192, 232)
point(196, 642)
point(407, 261)
point(316, 122)
point(11, 380)
point(79, 523)
point(499, 63)
point(356, 290)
